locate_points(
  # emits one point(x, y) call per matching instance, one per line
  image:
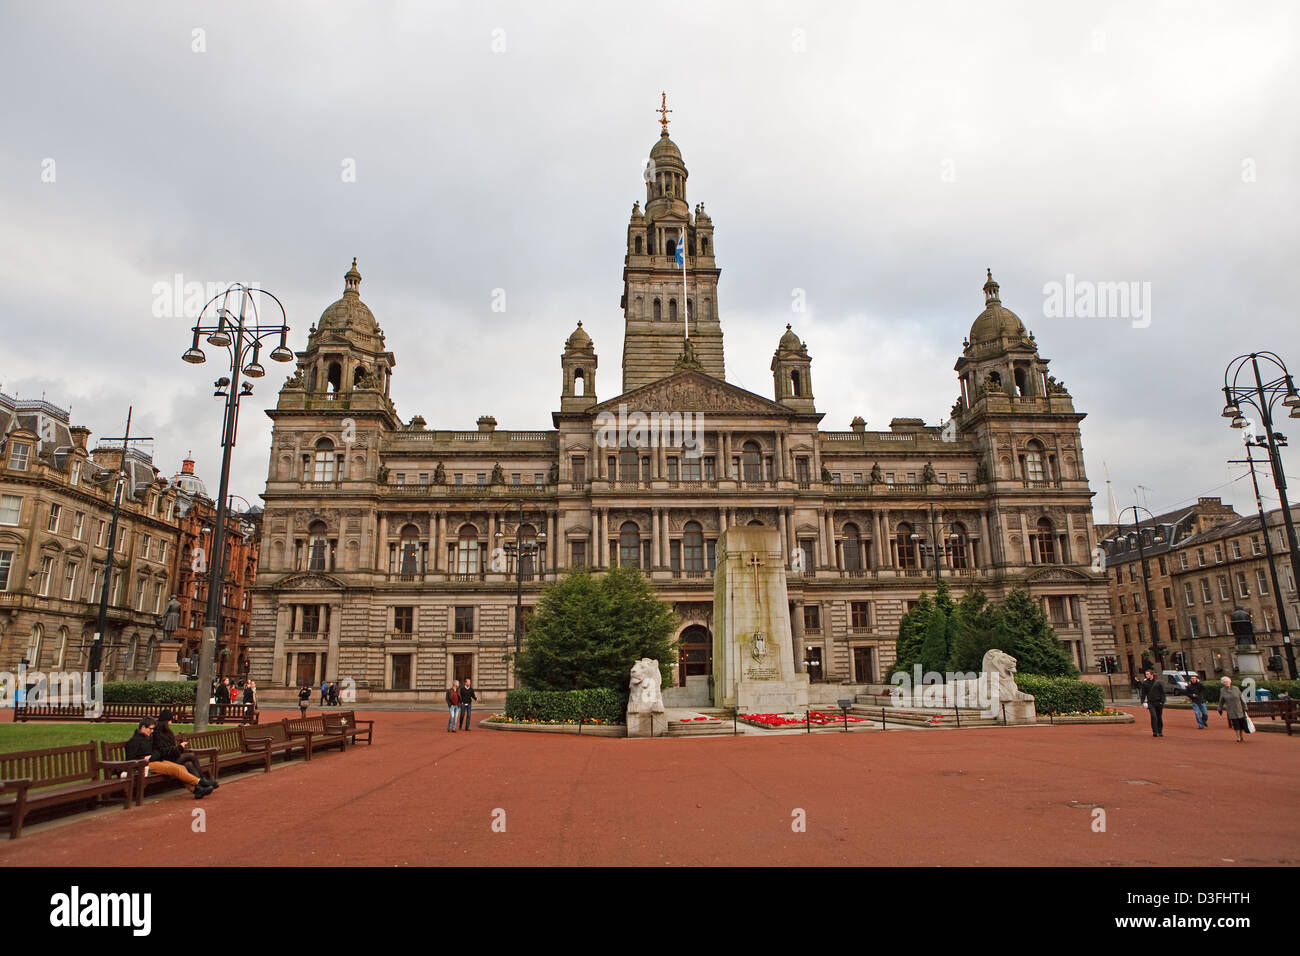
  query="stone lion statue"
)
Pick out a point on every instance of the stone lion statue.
point(1004, 666)
point(646, 688)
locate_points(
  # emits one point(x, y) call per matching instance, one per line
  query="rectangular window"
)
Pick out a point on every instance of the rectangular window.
point(1123, 605)
point(963, 477)
point(857, 477)
point(710, 469)
point(1243, 589)
point(311, 618)
point(514, 478)
point(157, 597)
point(1137, 603)
point(860, 615)
point(672, 469)
point(18, 456)
point(47, 572)
point(424, 477)
point(579, 468)
point(1255, 547)
point(76, 473)
point(401, 478)
point(52, 524)
point(1236, 549)
point(540, 477)
point(578, 554)
point(812, 618)
point(6, 563)
point(801, 469)
point(1261, 581)
point(1169, 597)
point(139, 594)
point(1163, 568)
point(11, 507)
point(1268, 619)
point(1218, 553)
point(482, 478)
point(889, 478)
point(1200, 557)
point(1189, 596)
point(99, 535)
point(79, 525)
point(464, 620)
point(1182, 560)
point(404, 620)
point(70, 581)
point(1225, 590)
point(1211, 628)
point(1128, 637)
point(835, 478)
point(1193, 626)
point(1132, 573)
point(460, 479)
point(1206, 596)
point(146, 545)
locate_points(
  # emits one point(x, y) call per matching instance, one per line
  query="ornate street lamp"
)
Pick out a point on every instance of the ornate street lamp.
point(1157, 649)
point(519, 549)
point(241, 335)
point(1263, 397)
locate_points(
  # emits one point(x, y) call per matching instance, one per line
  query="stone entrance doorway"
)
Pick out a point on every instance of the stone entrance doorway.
point(695, 653)
point(306, 669)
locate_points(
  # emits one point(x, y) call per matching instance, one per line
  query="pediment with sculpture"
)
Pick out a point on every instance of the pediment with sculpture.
point(692, 391)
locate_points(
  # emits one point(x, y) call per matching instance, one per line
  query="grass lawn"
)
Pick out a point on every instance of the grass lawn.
point(38, 736)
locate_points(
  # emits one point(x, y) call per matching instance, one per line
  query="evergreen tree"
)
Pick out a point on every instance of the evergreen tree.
point(587, 632)
point(914, 625)
point(975, 624)
point(934, 645)
point(1032, 641)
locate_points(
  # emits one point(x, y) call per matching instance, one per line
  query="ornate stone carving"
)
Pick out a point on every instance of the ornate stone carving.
point(693, 391)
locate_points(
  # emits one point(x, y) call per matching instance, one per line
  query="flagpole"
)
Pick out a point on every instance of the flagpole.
point(686, 302)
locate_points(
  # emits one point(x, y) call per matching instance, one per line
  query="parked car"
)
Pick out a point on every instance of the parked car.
point(1175, 682)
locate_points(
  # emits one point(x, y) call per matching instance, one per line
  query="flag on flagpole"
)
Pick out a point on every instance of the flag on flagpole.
point(681, 249)
point(681, 261)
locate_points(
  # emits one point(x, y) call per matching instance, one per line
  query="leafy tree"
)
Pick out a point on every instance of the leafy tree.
point(914, 625)
point(934, 645)
point(1031, 640)
point(587, 631)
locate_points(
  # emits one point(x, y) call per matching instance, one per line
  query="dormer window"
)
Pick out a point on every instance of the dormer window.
point(19, 455)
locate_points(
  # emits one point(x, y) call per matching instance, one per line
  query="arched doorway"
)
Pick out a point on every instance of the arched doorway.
point(695, 653)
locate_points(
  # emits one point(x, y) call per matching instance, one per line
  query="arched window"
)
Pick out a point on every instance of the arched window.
point(629, 545)
point(323, 466)
point(958, 543)
point(693, 546)
point(672, 310)
point(335, 377)
point(318, 547)
point(639, 244)
point(658, 310)
point(579, 382)
point(795, 389)
point(751, 458)
point(1034, 461)
point(1044, 542)
point(34, 647)
point(357, 373)
point(672, 248)
point(410, 550)
point(994, 380)
point(852, 548)
point(467, 550)
point(905, 546)
point(755, 523)
point(704, 245)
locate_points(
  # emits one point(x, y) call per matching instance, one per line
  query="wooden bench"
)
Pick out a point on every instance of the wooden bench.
point(345, 722)
point(315, 732)
point(224, 748)
point(114, 752)
point(274, 737)
point(36, 779)
point(1273, 709)
point(129, 711)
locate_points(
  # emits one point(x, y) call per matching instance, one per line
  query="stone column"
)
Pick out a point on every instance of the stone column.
point(552, 540)
point(797, 635)
point(654, 538)
point(336, 627)
point(988, 541)
point(381, 545)
point(880, 546)
point(780, 456)
point(283, 625)
point(602, 541)
point(830, 539)
point(724, 442)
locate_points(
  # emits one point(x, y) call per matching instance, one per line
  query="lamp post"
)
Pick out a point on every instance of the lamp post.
point(1255, 442)
point(1263, 396)
point(519, 549)
point(1157, 649)
point(241, 336)
point(934, 549)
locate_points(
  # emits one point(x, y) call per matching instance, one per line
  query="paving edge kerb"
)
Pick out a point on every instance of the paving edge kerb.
point(587, 730)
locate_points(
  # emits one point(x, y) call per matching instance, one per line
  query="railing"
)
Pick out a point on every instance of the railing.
point(859, 573)
point(528, 436)
point(1042, 483)
point(461, 576)
point(308, 636)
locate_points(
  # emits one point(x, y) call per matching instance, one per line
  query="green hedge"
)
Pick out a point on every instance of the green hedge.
point(605, 704)
point(1061, 695)
point(149, 692)
point(1277, 687)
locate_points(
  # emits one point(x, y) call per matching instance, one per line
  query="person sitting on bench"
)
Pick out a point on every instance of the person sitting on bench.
point(140, 747)
point(166, 747)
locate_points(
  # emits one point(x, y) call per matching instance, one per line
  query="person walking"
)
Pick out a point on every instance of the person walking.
point(1153, 699)
point(1196, 694)
point(467, 697)
point(1231, 699)
point(304, 696)
point(324, 693)
point(453, 706)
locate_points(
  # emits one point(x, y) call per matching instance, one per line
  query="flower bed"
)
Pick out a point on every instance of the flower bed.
point(816, 718)
point(592, 721)
point(1107, 715)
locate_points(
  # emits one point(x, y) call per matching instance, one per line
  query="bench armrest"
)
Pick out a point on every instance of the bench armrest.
point(20, 785)
point(301, 733)
point(259, 743)
point(120, 765)
point(203, 751)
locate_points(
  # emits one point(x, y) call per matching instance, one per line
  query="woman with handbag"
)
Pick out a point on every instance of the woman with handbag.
point(1230, 697)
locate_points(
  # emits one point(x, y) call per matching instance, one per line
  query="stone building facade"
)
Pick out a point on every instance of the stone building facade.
point(56, 505)
point(383, 556)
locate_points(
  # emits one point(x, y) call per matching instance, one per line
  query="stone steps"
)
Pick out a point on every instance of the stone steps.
point(920, 717)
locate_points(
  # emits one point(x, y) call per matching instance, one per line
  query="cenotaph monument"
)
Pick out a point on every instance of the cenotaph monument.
point(756, 666)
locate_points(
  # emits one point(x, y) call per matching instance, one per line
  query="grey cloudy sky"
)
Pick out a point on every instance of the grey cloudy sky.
point(877, 156)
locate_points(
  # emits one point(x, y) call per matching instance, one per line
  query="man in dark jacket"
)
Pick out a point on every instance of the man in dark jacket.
point(1196, 694)
point(1153, 699)
point(467, 697)
point(140, 747)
